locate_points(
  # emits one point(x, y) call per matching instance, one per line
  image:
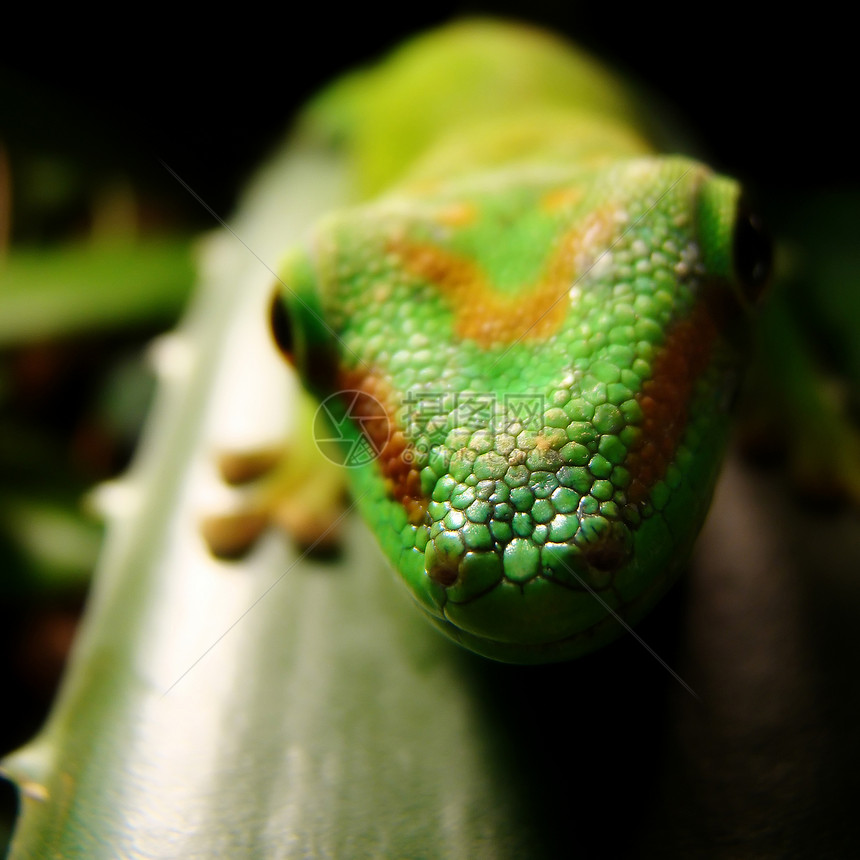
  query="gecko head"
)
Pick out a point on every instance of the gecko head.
point(561, 517)
point(556, 362)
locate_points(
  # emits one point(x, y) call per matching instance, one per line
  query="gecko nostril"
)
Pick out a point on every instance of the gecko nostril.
point(606, 545)
point(443, 557)
point(606, 557)
point(444, 573)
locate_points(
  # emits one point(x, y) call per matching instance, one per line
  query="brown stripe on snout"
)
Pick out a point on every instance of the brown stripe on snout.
point(665, 397)
point(376, 404)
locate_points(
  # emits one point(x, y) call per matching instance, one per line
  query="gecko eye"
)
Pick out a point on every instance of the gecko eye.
point(753, 252)
point(282, 331)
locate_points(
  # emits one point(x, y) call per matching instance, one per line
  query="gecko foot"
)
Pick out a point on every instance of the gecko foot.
point(302, 495)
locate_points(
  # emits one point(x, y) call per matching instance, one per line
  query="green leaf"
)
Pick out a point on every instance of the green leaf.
point(50, 292)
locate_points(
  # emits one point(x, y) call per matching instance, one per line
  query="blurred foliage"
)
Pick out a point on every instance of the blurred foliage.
point(77, 306)
point(92, 266)
point(64, 291)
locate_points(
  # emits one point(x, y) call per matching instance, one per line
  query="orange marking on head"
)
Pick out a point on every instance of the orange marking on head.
point(535, 312)
point(396, 463)
point(665, 397)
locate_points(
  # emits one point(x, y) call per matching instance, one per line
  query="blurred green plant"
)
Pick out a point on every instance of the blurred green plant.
point(75, 315)
point(89, 273)
point(61, 292)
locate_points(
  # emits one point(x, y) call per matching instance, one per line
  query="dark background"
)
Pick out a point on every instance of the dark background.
point(770, 95)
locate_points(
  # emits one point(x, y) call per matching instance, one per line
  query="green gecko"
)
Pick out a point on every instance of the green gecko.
point(536, 326)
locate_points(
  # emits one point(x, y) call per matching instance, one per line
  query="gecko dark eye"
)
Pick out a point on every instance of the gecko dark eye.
point(279, 323)
point(753, 253)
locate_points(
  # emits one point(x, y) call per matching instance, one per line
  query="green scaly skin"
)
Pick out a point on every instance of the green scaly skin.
point(544, 325)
